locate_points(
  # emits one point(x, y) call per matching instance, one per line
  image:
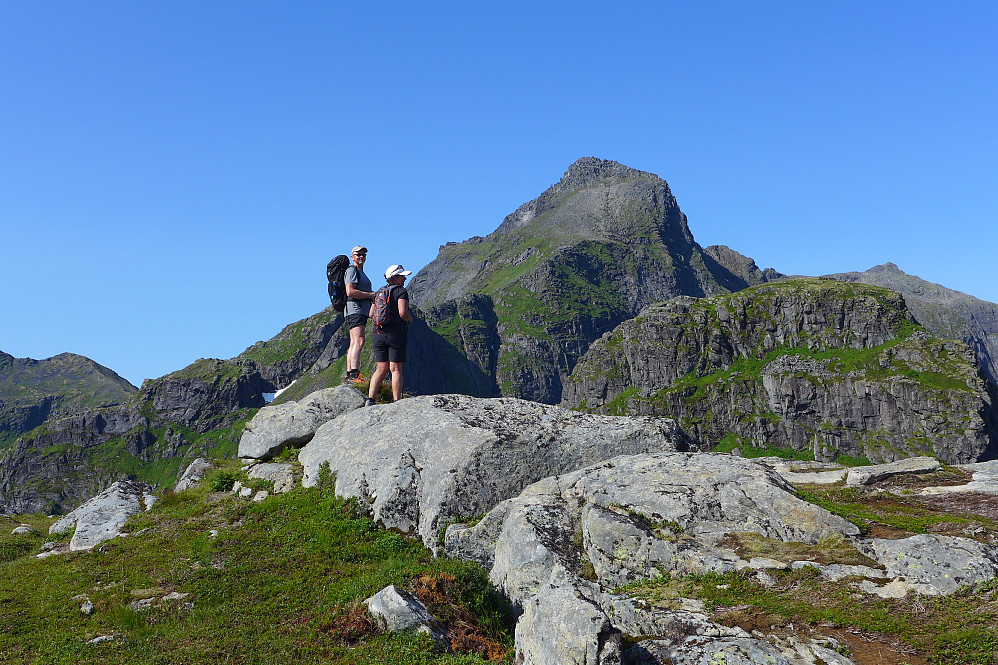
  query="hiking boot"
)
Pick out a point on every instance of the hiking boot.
point(368, 401)
point(358, 377)
point(351, 375)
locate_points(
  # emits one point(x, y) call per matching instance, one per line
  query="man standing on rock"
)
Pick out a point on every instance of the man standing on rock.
point(392, 317)
point(359, 299)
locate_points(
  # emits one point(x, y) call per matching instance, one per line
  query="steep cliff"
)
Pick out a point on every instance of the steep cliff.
point(561, 270)
point(812, 365)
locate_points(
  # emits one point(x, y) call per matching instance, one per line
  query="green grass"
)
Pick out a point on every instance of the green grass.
point(280, 583)
point(961, 629)
point(898, 512)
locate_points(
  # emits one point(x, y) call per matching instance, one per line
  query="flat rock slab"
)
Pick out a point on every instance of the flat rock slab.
point(424, 461)
point(984, 479)
point(295, 423)
point(102, 517)
point(867, 475)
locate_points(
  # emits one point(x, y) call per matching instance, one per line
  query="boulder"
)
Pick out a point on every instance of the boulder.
point(193, 474)
point(867, 475)
point(295, 423)
point(22, 530)
point(557, 548)
point(282, 475)
point(424, 461)
point(102, 517)
point(984, 479)
point(934, 565)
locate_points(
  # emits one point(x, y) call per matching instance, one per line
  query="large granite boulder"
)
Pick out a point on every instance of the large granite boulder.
point(424, 461)
point(295, 423)
point(102, 517)
point(560, 548)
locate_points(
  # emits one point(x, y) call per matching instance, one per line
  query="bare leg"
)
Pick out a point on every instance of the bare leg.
point(356, 346)
point(396, 381)
point(379, 376)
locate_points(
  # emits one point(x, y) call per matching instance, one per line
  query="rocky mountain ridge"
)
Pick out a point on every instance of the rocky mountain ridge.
point(809, 365)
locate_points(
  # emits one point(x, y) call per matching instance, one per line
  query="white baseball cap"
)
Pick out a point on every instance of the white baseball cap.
point(396, 270)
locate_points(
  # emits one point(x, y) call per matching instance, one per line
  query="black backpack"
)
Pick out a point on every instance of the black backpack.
point(381, 312)
point(334, 275)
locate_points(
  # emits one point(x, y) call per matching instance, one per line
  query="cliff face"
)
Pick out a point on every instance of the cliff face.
point(807, 364)
point(561, 270)
point(943, 312)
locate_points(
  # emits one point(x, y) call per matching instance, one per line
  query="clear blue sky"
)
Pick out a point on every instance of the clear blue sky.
point(175, 175)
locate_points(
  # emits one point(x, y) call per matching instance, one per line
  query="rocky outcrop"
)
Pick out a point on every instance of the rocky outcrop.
point(274, 428)
point(523, 303)
point(102, 517)
point(424, 461)
point(944, 312)
point(807, 364)
point(193, 474)
point(561, 547)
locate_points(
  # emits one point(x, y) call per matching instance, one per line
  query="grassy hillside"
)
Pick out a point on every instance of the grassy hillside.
point(281, 582)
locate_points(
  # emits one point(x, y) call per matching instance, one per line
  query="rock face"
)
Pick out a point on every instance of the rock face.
point(808, 364)
point(424, 461)
point(193, 474)
point(526, 301)
point(102, 517)
point(944, 312)
point(294, 423)
point(561, 546)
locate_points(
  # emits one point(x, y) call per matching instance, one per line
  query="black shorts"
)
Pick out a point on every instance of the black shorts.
point(355, 320)
point(390, 347)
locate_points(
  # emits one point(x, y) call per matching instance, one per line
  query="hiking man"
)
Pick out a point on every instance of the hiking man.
point(391, 331)
point(359, 298)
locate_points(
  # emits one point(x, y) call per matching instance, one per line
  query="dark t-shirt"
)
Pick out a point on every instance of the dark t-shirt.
point(395, 323)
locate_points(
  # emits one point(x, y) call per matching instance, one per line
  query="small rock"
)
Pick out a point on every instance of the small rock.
point(102, 638)
point(213, 533)
point(87, 607)
point(237, 486)
point(22, 530)
point(260, 496)
point(245, 492)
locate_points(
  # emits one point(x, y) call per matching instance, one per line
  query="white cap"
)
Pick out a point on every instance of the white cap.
point(396, 270)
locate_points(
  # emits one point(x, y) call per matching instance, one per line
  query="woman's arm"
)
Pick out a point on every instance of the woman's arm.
point(404, 312)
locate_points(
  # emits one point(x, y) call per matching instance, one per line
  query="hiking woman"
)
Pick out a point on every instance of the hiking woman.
point(359, 298)
point(391, 332)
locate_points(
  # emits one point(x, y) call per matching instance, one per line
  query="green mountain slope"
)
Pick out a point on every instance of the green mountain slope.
point(588, 253)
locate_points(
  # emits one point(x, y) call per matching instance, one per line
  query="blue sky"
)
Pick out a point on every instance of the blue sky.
point(175, 175)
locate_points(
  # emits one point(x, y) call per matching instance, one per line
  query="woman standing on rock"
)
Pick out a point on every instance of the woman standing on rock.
point(391, 317)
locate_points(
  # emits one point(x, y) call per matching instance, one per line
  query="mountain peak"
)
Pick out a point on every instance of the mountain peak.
point(888, 267)
point(588, 171)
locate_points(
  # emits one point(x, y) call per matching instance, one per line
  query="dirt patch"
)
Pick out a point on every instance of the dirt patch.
point(875, 648)
point(916, 481)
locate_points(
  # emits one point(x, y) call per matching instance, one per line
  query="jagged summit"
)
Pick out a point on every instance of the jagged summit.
point(564, 268)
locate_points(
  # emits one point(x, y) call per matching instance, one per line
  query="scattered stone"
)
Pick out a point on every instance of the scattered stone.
point(87, 607)
point(295, 423)
point(23, 530)
point(193, 474)
point(260, 496)
point(237, 486)
point(102, 517)
point(867, 475)
point(245, 492)
point(102, 638)
point(423, 461)
point(213, 533)
point(282, 475)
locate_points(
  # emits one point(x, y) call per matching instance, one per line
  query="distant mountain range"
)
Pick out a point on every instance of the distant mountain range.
point(511, 313)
